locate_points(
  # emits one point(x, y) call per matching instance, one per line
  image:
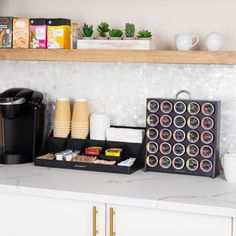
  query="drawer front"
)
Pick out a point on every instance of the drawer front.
point(126, 221)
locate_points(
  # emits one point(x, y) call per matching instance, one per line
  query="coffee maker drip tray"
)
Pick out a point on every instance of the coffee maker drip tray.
point(15, 158)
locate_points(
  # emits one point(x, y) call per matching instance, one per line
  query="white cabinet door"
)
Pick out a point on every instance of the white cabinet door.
point(37, 216)
point(130, 221)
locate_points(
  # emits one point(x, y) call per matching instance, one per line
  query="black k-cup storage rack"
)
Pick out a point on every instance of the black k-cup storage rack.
point(182, 136)
point(55, 145)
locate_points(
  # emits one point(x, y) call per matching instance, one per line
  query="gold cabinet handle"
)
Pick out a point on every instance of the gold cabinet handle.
point(95, 211)
point(112, 213)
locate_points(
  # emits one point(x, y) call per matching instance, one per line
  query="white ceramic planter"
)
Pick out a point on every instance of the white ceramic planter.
point(114, 38)
point(144, 38)
point(116, 44)
point(129, 38)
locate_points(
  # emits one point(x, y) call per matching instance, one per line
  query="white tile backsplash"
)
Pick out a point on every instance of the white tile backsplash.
point(120, 89)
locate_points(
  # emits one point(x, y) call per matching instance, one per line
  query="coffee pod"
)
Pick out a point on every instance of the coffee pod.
point(192, 164)
point(152, 147)
point(179, 121)
point(207, 123)
point(152, 133)
point(165, 134)
point(153, 106)
point(166, 121)
point(178, 163)
point(152, 161)
point(179, 135)
point(206, 165)
point(178, 149)
point(192, 150)
point(207, 137)
point(165, 148)
point(208, 109)
point(179, 107)
point(165, 162)
point(193, 136)
point(166, 107)
point(193, 122)
point(193, 108)
point(152, 120)
point(206, 151)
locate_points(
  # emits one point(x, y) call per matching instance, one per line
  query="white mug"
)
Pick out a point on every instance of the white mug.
point(228, 162)
point(185, 42)
point(214, 41)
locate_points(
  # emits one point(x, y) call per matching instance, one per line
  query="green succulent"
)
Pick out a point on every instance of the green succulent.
point(115, 33)
point(144, 34)
point(129, 30)
point(87, 30)
point(103, 29)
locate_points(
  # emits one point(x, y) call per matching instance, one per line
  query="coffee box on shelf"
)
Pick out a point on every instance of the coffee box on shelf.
point(6, 32)
point(38, 33)
point(20, 33)
point(58, 33)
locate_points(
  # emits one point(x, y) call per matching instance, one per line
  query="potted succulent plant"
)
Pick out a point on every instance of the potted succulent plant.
point(129, 31)
point(115, 34)
point(144, 34)
point(103, 29)
point(87, 31)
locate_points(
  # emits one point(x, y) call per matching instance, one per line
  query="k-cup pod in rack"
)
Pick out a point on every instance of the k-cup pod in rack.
point(165, 162)
point(62, 118)
point(99, 123)
point(80, 119)
point(165, 134)
point(152, 161)
point(152, 133)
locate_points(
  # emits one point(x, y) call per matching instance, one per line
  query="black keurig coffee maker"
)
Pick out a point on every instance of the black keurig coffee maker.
point(21, 125)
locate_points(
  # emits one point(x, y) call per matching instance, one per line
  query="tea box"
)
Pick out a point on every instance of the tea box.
point(6, 32)
point(38, 33)
point(58, 33)
point(20, 33)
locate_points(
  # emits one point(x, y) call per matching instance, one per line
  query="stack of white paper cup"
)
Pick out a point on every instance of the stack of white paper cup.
point(98, 125)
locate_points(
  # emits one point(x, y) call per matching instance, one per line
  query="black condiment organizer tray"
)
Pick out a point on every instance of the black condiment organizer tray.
point(55, 145)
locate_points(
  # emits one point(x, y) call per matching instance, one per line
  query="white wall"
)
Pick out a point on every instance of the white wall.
point(165, 18)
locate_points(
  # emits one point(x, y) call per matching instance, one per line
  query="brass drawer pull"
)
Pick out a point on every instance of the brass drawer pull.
point(112, 213)
point(95, 211)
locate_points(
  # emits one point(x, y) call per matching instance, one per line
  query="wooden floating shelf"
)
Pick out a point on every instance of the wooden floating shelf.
point(142, 56)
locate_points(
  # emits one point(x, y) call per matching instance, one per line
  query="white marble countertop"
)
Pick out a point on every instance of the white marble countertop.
point(142, 189)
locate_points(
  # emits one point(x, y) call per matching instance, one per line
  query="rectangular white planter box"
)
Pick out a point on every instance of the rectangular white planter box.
point(115, 44)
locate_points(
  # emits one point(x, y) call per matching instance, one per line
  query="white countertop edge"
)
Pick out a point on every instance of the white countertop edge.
point(124, 201)
point(197, 209)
